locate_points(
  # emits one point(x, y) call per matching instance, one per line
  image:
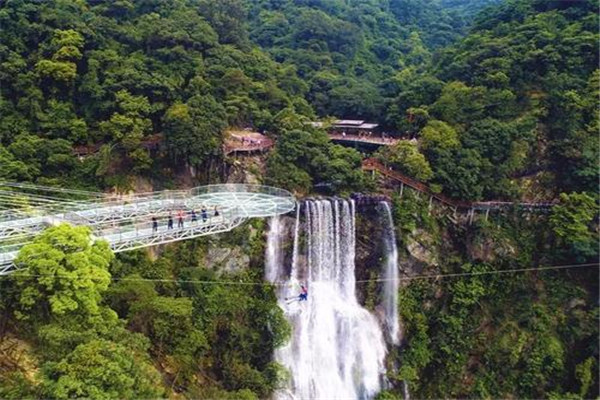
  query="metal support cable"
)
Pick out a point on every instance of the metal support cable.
point(286, 283)
point(51, 189)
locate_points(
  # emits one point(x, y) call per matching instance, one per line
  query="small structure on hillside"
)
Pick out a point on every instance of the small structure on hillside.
point(353, 127)
point(348, 126)
point(354, 131)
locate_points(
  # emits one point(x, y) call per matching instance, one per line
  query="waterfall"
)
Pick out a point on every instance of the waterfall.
point(274, 257)
point(337, 349)
point(390, 275)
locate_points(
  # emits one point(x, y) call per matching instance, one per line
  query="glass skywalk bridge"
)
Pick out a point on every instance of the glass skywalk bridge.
point(126, 223)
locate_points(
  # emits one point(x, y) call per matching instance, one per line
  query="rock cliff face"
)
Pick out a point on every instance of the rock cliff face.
point(246, 169)
point(16, 355)
point(419, 245)
point(226, 260)
point(415, 253)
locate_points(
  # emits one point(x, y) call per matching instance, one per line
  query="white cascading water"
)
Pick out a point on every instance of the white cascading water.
point(390, 275)
point(337, 349)
point(274, 256)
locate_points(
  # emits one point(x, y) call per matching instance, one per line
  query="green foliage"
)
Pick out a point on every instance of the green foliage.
point(517, 95)
point(528, 335)
point(584, 373)
point(411, 212)
point(111, 73)
point(521, 93)
point(405, 156)
point(15, 385)
point(82, 347)
point(438, 135)
point(304, 159)
point(348, 51)
point(223, 333)
point(65, 273)
point(100, 369)
point(572, 222)
point(194, 129)
point(419, 354)
point(167, 321)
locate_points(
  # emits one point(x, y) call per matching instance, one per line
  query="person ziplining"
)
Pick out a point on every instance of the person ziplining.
point(303, 296)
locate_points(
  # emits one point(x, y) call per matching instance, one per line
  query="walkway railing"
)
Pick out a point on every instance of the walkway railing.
point(378, 140)
point(148, 219)
point(235, 144)
point(372, 164)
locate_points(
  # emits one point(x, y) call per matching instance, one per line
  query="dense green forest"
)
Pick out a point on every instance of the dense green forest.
point(525, 335)
point(115, 72)
point(104, 327)
point(502, 100)
point(516, 97)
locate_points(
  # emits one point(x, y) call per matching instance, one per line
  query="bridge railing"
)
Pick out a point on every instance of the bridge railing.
point(240, 188)
point(143, 227)
point(256, 200)
point(371, 164)
point(128, 220)
point(141, 230)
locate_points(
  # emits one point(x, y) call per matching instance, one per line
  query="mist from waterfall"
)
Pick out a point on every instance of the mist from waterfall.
point(390, 274)
point(337, 349)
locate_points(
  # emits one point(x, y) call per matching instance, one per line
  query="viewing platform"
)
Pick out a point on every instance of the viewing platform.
point(140, 220)
point(246, 142)
point(356, 131)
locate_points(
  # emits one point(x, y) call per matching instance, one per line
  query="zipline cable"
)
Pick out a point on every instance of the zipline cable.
point(51, 189)
point(415, 277)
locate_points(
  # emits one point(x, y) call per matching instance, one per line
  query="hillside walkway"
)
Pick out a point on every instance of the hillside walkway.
point(376, 140)
point(372, 164)
point(246, 142)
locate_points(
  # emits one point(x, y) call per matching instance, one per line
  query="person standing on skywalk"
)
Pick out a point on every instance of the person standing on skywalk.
point(180, 219)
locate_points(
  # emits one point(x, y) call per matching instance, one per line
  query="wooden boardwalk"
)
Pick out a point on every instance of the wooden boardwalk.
point(251, 143)
point(372, 164)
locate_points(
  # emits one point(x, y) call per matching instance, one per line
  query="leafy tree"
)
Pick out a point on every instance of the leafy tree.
point(167, 321)
point(129, 125)
point(100, 369)
point(62, 67)
point(107, 73)
point(459, 172)
point(65, 272)
point(59, 121)
point(13, 169)
point(306, 157)
point(193, 130)
point(227, 18)
point(405, 157)
point(238, 336)
point(571, 222)
point(574, 117)
point(438, 135)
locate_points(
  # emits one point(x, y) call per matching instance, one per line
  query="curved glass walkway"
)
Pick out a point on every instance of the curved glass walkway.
point(137, 221)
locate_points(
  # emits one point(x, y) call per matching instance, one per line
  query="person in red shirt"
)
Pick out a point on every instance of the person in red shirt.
point(180, 219)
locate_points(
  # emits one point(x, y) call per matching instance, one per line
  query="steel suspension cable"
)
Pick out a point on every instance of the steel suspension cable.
point(285, 283)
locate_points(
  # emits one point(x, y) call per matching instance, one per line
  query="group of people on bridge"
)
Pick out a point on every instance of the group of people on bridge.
point(251, 142)
point(181, 216)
